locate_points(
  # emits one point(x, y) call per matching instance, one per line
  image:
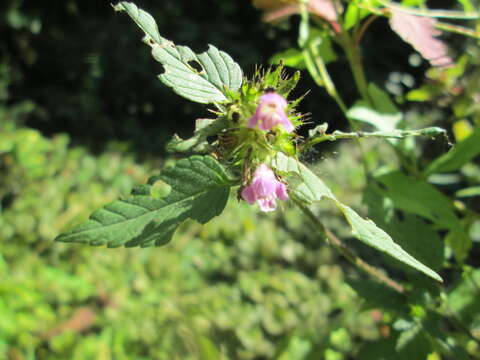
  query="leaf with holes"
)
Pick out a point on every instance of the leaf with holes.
point(196, 188)
point(202, 78)
point(307, 187)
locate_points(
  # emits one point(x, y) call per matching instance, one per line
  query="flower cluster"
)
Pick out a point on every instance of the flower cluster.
point(264, 187)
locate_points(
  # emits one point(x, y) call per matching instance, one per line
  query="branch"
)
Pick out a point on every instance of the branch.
point(395, 134)
point(376, 273)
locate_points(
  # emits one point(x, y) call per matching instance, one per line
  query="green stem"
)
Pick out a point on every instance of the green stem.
point(393, 134)
point(458, 30)
point(354, 59)
point(319, 72)
point(347, 252)
point(320, 75)
point(315, 64)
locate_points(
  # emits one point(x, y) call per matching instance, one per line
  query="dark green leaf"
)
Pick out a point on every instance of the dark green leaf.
point(461, 153)
point(420, 198)
point(306, 185)
point(410, 232)
point(378, 295)
point(199, 188)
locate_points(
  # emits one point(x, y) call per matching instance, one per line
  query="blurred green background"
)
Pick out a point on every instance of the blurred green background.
point(82, 120)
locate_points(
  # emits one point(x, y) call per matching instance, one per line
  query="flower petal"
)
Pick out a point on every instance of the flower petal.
point(267, 204)
point(281, 191)
point(249, 195)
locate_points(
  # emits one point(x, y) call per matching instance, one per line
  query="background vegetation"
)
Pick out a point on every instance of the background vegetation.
point(82, 119)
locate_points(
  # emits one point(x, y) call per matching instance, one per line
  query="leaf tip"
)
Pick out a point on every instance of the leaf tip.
point(118, 6)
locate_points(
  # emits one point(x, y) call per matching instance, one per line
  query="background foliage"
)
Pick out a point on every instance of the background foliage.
point(246, 285)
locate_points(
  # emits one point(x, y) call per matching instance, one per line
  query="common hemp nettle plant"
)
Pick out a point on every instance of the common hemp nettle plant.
point(250, 146)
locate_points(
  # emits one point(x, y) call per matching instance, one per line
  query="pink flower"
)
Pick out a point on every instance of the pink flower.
point(420, 32)
point(265, 189)
point(271, 112)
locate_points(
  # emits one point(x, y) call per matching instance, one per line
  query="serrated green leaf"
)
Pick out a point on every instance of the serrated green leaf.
point(199, 188)
point(307, 187)
point(369, 233)
point(411, 232)
point(461, 153)
point(217, 71)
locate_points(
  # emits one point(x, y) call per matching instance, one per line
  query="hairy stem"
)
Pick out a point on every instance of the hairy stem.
point(318, 70)
point(347, 252)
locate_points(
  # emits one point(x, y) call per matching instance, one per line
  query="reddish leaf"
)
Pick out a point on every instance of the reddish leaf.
point(280, 9)
point(420, 32)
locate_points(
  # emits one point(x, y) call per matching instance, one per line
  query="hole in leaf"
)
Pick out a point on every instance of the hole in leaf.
point(162, 69)
point(160, 189)
point(198, 49)
point(211, 139)
point(235, 117)
point(195, 65)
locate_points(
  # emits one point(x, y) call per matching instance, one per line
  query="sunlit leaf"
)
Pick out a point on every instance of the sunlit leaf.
point(306, 186)
point(202, 78)
point(199, 189)
point(460, 243)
